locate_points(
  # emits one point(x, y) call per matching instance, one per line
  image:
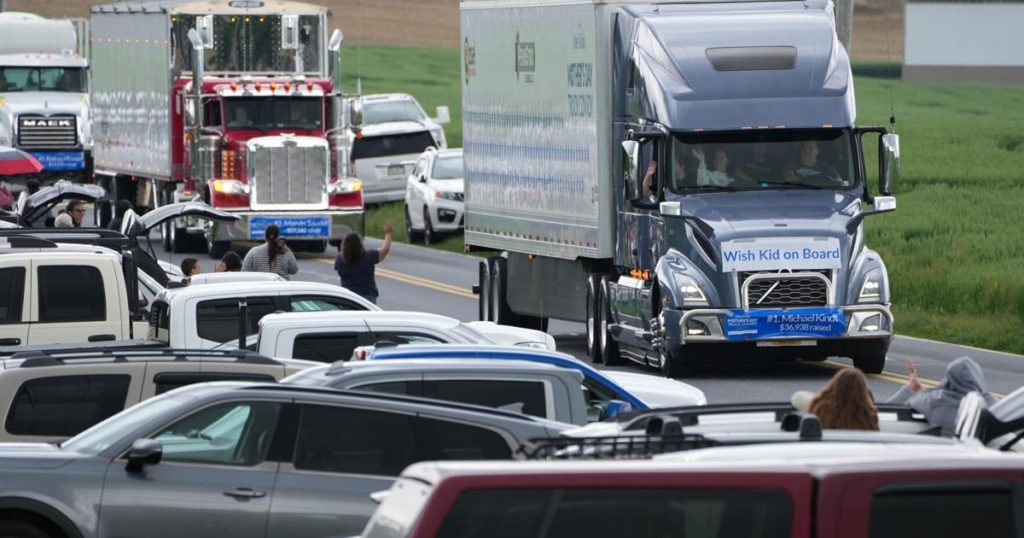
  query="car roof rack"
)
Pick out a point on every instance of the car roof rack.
point(9, 241)
point(690, 415)
point(614, 447)
point(40, 358)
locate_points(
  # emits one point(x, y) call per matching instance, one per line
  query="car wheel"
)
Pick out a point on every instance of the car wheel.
point(870, 364)
point(411, 235)
point(593, 349)
point(429, 235)
point(670, 363)
point(21, 529)
point(609, 347)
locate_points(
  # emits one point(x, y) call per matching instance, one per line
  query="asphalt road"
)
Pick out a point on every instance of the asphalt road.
point(422, 279)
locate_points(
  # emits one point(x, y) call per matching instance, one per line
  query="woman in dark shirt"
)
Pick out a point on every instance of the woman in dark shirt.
point(355, 265)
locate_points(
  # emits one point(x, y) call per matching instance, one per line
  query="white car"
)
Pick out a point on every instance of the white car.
point(434, 196)
point(393, 133)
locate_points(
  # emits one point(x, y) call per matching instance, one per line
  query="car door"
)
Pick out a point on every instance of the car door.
point(215, 478)
point(14, 308)
point(77, 302)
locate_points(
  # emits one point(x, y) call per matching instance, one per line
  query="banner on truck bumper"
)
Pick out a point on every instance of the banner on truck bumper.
point(780, 323)
point(61, 161)
point(308, 226)
point(795, 253)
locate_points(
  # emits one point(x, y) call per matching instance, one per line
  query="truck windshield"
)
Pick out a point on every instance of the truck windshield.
point(265, 113)
point(42, 79)
point(820, 159)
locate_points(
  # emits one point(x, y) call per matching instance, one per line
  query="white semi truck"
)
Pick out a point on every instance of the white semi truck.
point(44, 92)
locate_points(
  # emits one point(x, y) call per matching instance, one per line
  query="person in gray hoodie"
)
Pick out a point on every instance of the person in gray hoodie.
point(940, 405)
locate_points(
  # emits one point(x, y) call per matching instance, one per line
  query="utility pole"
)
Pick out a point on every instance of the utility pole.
point(844, 23)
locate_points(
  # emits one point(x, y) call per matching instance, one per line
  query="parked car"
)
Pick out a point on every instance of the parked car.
point(1000, 426)
point(394, 132)
point(50, 395)
point(233, 276)
point(539, 390)
point(840, 490)
point(330, 336)
point(434, 196)
point(204, 317)
point(638, 390)
point(243, 459)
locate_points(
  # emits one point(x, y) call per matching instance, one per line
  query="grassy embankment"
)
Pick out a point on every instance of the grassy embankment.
point(954, 248)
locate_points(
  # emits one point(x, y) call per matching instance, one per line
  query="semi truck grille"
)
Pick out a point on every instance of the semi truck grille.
point(290, 175)
point(775, 290)
point(47, 132)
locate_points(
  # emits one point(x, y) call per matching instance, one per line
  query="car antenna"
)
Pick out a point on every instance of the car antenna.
point(369, 330)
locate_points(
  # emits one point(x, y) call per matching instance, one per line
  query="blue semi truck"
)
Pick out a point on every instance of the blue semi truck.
point(686, 178)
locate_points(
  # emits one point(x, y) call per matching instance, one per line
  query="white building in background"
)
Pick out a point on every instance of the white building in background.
point(964, 41)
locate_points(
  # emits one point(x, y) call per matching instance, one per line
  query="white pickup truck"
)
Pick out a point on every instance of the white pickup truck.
point(333, 336)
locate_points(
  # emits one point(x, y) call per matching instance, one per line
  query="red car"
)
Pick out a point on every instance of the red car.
point(792, 490)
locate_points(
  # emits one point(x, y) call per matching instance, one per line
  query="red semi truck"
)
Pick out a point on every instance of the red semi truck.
point(259, 137)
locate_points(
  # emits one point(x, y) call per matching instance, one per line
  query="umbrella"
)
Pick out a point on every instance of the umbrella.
point(13, 161)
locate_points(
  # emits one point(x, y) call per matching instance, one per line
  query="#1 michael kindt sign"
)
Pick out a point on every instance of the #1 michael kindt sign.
point(773, 254)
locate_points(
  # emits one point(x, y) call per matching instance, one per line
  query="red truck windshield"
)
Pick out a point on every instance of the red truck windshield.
point(266, 113)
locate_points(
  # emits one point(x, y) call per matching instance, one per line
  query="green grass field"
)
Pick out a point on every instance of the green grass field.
point(955, 246)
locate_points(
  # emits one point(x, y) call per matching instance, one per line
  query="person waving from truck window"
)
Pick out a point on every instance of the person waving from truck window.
point(809, 167)
point(717, 175)
point(273, 256)
point(650, 182)
point(355, 265)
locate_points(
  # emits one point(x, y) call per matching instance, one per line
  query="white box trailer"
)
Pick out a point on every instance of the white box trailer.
point(538, 148)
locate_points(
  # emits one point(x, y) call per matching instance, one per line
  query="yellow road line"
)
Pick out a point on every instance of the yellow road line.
point(414, 280)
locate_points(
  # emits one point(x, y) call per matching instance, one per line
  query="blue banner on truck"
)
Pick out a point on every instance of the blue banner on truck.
point(788, 323)
point(308, 227)
point(61, 161)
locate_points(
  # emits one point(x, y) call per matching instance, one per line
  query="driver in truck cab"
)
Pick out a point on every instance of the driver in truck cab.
point(808, 166)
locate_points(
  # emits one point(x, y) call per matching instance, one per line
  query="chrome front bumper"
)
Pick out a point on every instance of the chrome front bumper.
point(342, 224)
point(858, 325)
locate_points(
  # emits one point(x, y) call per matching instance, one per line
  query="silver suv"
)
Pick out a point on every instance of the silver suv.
point(243, 459)
point(52, 393)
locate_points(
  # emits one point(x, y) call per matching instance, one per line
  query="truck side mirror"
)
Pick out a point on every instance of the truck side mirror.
point(631, 168)
point(443, 116)
point(355, 118)
point(889, 163)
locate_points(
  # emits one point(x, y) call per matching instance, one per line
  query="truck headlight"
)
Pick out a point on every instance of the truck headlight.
point(690, 292)
point(871, 289)
point(346, 186)
point(230, 186)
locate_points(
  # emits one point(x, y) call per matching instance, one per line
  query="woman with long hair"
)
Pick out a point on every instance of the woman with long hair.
point(846, 403)
point(355, 265)
point(273, 256)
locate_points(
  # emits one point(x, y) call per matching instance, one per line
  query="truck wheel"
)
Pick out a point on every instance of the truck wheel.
point(429, 235)
point(592, 321)
point(609, 347)
point(870, 364)
point(16, 528)
point(670, 363)
point(411, 235)
point(178, 238)
point(484, 299)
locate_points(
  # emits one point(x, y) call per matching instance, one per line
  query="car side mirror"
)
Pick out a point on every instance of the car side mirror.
point(443, 116)
point(889, 163)
point(423, 179)
point(615, 407)
point(631, 168)
point(144, 452)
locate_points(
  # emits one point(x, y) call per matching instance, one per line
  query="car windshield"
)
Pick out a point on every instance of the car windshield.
point(385, 111)
point(42, 79)
point(447, 168)
point(113, 430)
point(818, 159)
point(265, 113)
